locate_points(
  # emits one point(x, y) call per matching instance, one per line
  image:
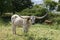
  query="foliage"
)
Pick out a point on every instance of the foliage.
point(51, 3)
point(36, 10)
point(14, 5)
point(54, 17)
point(19, 5)
point(5, 6)
point(59, 6)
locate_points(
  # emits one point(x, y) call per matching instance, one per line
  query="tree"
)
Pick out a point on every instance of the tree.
point(51, 4)
point(5, 6)
point(14, 5)
point(58, 6)
point(19, 5)
point(1, 8)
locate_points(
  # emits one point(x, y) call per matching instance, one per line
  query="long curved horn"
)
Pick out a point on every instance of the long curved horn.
point(25, 17)
point(42, 16)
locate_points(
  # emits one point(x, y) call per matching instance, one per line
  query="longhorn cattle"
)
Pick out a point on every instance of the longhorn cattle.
point(20, 21)
point(24, 21)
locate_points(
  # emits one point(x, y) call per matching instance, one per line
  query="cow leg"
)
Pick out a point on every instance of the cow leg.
point(14, 29)
point(25, 29)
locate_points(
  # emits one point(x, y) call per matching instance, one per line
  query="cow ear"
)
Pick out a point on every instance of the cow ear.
point(28, 19)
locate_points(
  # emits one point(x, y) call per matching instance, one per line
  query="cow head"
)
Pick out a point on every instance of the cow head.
point(32, 19)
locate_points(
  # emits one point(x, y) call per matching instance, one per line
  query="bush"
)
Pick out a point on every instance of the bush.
point(54, 17)
point(36, 10)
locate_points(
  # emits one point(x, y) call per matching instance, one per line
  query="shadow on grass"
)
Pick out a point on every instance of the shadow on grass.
point(26, 36)
point(38, 38)
point(33, 37)
point(43, 38)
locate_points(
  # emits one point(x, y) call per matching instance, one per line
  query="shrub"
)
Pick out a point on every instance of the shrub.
point(54, 17)
point(36, 10)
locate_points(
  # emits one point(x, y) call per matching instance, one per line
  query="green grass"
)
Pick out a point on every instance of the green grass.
point(36, 32)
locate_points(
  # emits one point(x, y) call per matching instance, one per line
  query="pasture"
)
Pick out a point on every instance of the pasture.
point(36, 32)
point(43, 31)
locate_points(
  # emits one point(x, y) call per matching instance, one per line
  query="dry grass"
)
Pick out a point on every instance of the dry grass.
point(36, 32)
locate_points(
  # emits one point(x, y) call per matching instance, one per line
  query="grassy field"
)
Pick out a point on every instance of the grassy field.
point(36, 32)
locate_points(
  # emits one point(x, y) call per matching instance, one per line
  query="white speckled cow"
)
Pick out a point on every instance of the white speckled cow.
point(20, 21)
point(24, 21)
